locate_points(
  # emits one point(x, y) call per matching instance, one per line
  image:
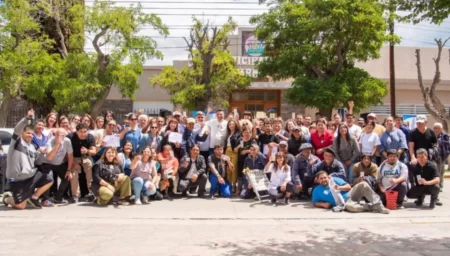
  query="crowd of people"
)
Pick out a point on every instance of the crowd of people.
point(337, 164)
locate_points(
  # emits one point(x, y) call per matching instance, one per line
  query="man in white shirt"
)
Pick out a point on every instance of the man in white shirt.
point(353, 129)
point(217, 130)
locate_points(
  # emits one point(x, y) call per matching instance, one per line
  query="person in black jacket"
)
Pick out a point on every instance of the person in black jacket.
point(296, 140)
point(108, 178)
point(192, 172)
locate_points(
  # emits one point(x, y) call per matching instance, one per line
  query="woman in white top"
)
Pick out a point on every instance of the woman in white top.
point(143, 176)
point(280, 178)
point(369, 141)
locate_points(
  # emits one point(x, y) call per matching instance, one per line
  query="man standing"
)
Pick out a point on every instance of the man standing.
point(335, 193)
point(83, 145)
point(393, 138)
point(59, 160)
point(426, 179)
point(393, 175)
point(378, 129)
point(26, 182)
point(399, 125)
point(217, 130)
point(353, 129)
point(268, 139)
point(444, 151)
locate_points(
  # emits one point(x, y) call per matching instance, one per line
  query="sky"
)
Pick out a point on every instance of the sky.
point(177, 15)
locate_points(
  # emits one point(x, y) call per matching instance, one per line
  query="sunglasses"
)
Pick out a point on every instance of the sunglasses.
point(154, 127)
point(133, 119)
point(111, 125)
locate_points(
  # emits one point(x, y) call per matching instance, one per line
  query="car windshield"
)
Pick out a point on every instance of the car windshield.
point(5, 137)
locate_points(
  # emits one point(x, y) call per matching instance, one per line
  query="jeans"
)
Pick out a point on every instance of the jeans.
point(142, 186)
point(185, 184)
point(349, 173)
point(225, 189)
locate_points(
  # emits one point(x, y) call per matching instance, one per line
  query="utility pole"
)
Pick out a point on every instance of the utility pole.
point(391, 57)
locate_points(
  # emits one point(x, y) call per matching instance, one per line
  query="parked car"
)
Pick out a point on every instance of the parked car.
point(5, 137)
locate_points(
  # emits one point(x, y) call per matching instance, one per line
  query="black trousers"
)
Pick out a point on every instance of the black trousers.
point(58, 171)
point(185, 184)
point(400, 188)
point(420, 192)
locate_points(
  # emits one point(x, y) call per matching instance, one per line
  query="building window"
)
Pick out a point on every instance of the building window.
point(413, 109)
point(254, 107)
point(254, 95)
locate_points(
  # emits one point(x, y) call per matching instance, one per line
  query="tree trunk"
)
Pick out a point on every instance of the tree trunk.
point(5, 106)
point(326, 112)
point(98, 103)
point(202, 104)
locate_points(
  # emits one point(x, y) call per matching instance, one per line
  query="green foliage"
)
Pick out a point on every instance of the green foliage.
point(49, 66)
point(435, 11)
point(317, 43)
point(211, 77)
point(352, 83)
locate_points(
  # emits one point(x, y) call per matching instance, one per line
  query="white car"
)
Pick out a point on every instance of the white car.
point(5, 138)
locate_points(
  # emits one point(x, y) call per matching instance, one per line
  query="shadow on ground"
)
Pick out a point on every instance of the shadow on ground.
point(339, 242)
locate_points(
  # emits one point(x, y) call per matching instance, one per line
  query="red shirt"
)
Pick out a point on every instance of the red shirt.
point(323, 141)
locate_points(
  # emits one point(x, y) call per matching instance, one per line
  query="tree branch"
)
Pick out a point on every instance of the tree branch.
point(437, 79)
point(62, 42)
point(424, 90)
point(340, 60)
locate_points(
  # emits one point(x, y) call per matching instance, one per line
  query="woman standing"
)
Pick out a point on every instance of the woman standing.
point(99, 122)
point(347, 149)
point(172, 126)
point(64, 123)
point(321, 138)
point(243, 149)
point(50, 125)
point(369, 141)
point(108, 178)
point(143, 176)
point(151, 138)
point(131, 133)
point(231, 144)
point(289, 127)
point(280, 178)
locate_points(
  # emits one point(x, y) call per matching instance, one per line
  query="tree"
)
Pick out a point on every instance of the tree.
point(212, 76)
point(26, 65)
point(435, 11)
point(317, 43)
point(89, 76)
point(431, 101)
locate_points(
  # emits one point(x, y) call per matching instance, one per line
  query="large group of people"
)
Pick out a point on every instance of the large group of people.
point(338, 164)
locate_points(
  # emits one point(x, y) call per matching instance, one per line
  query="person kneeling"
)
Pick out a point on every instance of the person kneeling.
point(192, 172)
point(26, 182)
point(335, 193)
point(219, 164)
point(426, 179)
point(280, 178)
point(108, 177)
point(143, 169)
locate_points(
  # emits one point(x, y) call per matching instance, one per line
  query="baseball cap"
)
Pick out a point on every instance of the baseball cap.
point(176, 113)
point(190, 120)
point(421, 119)
point(283, 143)
point(372, 115)
point(297, 128)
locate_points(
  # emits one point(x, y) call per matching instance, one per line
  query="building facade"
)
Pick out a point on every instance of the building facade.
point(266, 96)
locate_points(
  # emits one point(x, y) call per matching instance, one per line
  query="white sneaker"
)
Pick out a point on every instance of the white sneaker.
point(138, 202)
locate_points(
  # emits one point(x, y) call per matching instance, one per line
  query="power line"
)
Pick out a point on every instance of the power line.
point(421, 29)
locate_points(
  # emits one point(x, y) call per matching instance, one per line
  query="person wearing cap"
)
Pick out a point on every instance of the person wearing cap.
point(302, 176)
point(365, 171)
point(283, 147)
point(444, 150)
point(296, 140)
point(254, 161)
point(423, 137)
point(330, 165)
point(425, 180)
point(177, 116)
point(378, 129)
point(335, 193)
point(190, 137)
point(393, 175)
point(393, 138)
